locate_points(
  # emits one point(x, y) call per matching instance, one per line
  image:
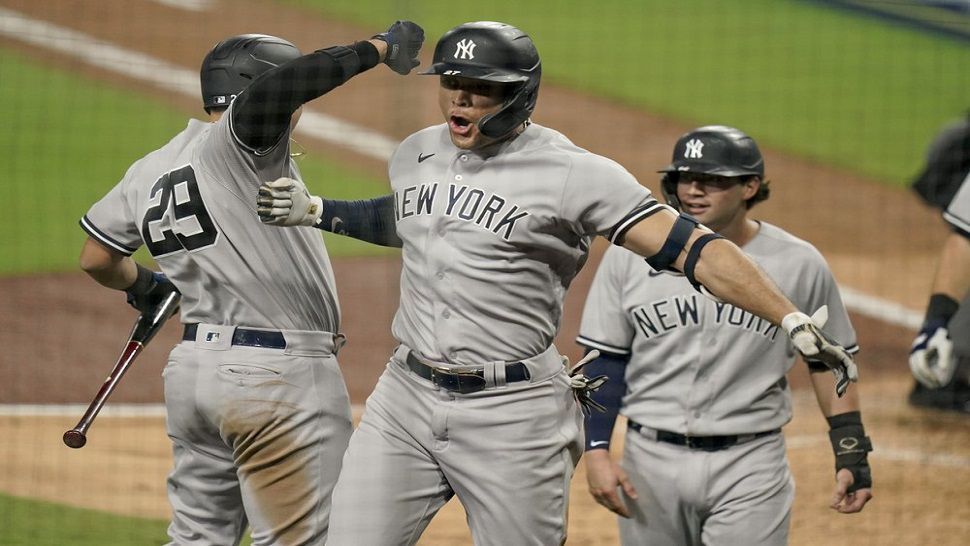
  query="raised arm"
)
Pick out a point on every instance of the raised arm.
point(262, 112)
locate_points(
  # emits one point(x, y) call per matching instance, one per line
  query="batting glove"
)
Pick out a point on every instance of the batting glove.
point(286, 202)
point(807, 336)
point(149, 289)
point(404, 40)
point(931, 357)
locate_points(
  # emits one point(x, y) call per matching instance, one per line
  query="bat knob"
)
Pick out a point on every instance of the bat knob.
point(75, 439)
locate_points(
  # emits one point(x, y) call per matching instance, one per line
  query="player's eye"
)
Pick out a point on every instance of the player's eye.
point(450, 83)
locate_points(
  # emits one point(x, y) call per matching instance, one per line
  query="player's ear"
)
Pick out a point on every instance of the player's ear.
point(751, 186)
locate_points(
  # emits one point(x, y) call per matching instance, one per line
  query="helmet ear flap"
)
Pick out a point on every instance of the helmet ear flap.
point(512, 114)
point(668, 187)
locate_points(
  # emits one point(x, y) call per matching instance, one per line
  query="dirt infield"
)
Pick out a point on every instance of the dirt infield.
point(61, 332)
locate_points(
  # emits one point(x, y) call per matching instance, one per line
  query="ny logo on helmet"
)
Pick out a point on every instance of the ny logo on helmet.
point(465, 49)
point(693, 149)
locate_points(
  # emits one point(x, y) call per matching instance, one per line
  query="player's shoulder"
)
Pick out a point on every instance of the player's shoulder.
point(174, 148)
point(557, 145)
point(778, 242)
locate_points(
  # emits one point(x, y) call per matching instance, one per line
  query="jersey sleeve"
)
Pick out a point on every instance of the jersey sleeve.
point(603, 198)
point(604, 325)
point(825, 291)
point(111, 221)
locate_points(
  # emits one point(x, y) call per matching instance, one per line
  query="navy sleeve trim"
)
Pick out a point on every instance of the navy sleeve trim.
point(603, 347)
point(645, 211)
point(103, 238)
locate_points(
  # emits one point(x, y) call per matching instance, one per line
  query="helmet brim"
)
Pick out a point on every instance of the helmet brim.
point(498, 75)
point(716, 170)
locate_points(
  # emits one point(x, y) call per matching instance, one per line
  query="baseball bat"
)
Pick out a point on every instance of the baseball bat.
point(142, 332)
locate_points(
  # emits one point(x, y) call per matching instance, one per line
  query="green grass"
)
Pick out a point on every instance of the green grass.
point(67, 140)
point(827, 85)
point(25, 522)
point(28, 522)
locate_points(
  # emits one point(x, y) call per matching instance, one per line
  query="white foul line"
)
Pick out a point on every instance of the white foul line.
point(313, 124)
point(190, 5)
point(170, 77)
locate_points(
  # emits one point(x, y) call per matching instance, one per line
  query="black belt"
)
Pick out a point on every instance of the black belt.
point(269, 339)
point(464, 382)
point(703, 443)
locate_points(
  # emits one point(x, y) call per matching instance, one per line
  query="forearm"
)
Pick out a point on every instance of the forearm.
point(262, 113)
point(108, 268)
point(370, 220)
point(953, 271)
point(599, 425)
point(733, 277)
point(828, 402)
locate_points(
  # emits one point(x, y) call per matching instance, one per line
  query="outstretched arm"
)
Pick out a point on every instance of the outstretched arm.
point(718, 266)
point(286, 202)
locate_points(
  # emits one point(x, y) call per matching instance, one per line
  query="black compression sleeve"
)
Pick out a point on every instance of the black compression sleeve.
point(370, 220)
point(599, 425)
point(261, 114)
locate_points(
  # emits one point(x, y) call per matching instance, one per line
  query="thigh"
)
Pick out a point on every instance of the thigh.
point(203, 489)
point(390, 485)
point(752, 491)
point(287, 419)
point(669, 481)
point(510, 455)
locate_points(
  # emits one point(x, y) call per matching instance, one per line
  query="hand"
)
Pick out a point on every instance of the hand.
point(845, 502)
point(286, 202)
point(806, 335)
point(148, 293)
point(605, 478)
point(404, 40)
point(931, 357)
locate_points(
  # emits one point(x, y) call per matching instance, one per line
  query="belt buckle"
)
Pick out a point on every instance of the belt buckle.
point(460, 382)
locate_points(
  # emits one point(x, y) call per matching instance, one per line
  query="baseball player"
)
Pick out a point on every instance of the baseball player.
point(257, 409)
point(701, 382)
point(939, 360)
point(495, 215)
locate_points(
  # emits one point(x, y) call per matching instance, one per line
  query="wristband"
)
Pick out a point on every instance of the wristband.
point(851, 447)
point(941, 308)
point(144, 280)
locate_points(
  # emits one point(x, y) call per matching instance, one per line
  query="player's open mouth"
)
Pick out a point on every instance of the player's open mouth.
point(459, 125)
point(694, 208)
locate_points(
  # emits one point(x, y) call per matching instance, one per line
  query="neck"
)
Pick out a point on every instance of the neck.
point(741, 232)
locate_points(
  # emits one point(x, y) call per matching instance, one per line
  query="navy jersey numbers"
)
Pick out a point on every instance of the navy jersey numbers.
point(188, 227)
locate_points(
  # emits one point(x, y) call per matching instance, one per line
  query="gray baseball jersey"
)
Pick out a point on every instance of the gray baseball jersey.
point(957, 212)
point(490, 245)
point(702, 368)
point(258, 425)
point(193, 204)
point(698, 366)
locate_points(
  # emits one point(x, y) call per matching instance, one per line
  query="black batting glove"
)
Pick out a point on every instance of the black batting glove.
point(851, 447)
point(404, 40)
point(149, 289)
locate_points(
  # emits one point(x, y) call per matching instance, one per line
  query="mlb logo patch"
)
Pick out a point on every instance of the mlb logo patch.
point(221, 100)
point(212, 336)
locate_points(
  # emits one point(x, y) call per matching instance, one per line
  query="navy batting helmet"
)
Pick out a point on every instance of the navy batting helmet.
point(716, 150)
point(496, 52)
point(235, 62)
